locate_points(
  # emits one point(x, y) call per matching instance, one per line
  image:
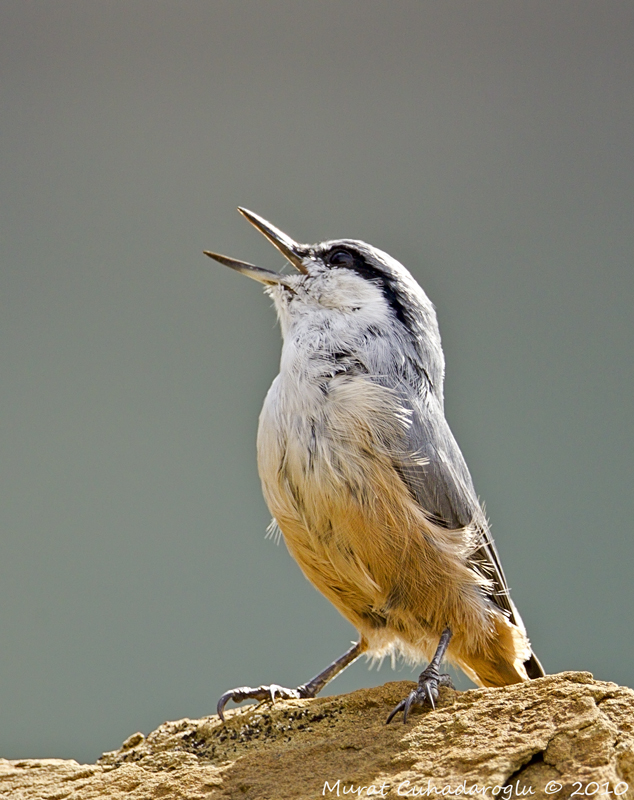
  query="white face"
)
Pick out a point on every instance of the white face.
point(338, 296)
point(346, 283)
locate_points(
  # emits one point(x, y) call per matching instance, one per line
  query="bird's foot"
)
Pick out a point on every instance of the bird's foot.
point(260, 693)
point(425, 693)
point(310, 689)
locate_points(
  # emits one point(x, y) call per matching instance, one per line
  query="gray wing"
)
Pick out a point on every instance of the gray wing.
point(437, 476)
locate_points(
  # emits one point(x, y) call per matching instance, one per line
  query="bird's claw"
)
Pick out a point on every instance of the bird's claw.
point(260, 693)
point(425, 693)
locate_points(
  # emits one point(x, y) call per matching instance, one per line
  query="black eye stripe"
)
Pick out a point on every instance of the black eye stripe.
point(345, 258)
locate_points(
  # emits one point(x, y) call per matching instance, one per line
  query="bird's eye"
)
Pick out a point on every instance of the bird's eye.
point(340, 258)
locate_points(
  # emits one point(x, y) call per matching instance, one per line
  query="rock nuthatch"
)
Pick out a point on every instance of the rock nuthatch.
point(364, 478)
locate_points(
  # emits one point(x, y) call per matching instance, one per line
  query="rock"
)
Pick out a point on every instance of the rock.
point(560, 736)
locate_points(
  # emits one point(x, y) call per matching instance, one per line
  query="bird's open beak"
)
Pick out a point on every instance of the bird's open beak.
point(250, 270)
point(290, 249)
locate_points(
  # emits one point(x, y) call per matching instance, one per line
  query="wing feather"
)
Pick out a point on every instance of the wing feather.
point(437, 475)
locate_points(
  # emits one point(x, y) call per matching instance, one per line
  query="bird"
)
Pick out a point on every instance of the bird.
point(364, 478)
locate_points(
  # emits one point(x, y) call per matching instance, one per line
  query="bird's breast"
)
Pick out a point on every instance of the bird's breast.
point(323, 460)
point(320, 438)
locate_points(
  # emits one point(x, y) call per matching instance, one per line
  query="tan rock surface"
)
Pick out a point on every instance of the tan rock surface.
point(567, 729)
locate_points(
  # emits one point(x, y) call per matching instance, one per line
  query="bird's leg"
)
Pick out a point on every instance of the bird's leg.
point(428, 682)
point(310, 689)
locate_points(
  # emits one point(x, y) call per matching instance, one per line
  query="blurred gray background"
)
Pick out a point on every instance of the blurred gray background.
point(487, 145)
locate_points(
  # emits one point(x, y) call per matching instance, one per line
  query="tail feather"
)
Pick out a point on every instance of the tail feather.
point(504, 660)
point(534, 668)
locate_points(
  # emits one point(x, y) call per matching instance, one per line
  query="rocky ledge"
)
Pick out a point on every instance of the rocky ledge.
point(562, 736)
